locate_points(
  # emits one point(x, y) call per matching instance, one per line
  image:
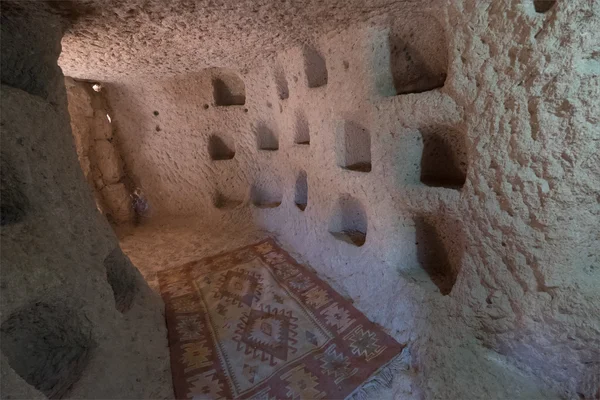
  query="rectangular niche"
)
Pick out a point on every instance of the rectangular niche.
point(301, 191)
point(221, 147)
point(228, 88)
point(267, 193)
point(281, 83)
point(266, 138)
point(444, 160)
point(315, 67)
point(301, 129)
point(353, 147)
point(223, 201)
point(415, 59)
point(433, 247)
point(348, 221)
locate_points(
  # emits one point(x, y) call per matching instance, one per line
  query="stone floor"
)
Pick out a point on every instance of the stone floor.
point(447, 365)
point(169, 243)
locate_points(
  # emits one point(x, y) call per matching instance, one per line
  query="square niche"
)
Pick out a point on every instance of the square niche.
point(348, 221)
point(353, 147)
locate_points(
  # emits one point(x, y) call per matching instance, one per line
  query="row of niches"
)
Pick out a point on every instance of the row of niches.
point(348, 221)
point(229, 88)
point(265, 194)
point(315, 72)
point(406, 59)
point(440, 151)
point(221, 146)
point(443, 149)
point(267, 138)
point(431, 245)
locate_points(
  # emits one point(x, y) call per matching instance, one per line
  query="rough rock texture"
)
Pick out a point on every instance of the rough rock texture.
point(112, 40)
point(488, 260)
point(532, 202)
point(486, 266)
point(98, 152)
point(61, 332)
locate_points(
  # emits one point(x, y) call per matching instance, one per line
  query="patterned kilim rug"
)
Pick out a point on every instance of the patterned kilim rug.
point(254, 324)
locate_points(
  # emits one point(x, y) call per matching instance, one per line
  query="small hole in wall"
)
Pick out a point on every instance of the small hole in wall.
point(353, 147)
point(267, 194)
point(301, 192)
point(48, 345)
point(225, 202)
point(302, 131)
point(444, 159)
point(220, 148)
point(543, 6)
point(281, 83)
point(315, 67)
point(205, 106)
point(14, 205)
point(266, 139)
point(418, 59)
point(155, 113)
point(229, 89)
point(120, 274)
point(349, 221)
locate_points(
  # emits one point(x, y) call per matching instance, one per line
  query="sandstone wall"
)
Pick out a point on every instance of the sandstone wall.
point(461, 139)
point(77, 319)
point(98, 152)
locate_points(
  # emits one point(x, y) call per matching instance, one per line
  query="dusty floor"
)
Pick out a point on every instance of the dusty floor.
point(168, 243)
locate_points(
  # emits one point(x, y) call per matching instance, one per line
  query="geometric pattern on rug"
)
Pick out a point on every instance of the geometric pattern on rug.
point(254, 324)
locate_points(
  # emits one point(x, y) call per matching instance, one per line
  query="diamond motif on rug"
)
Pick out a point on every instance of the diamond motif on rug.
point(254, 324)
point(269, 333)
point(239, 287)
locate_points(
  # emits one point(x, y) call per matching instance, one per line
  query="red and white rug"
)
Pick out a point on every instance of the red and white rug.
point(254, 324)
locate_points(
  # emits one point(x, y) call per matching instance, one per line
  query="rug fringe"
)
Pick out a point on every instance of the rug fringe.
point(383, 378)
